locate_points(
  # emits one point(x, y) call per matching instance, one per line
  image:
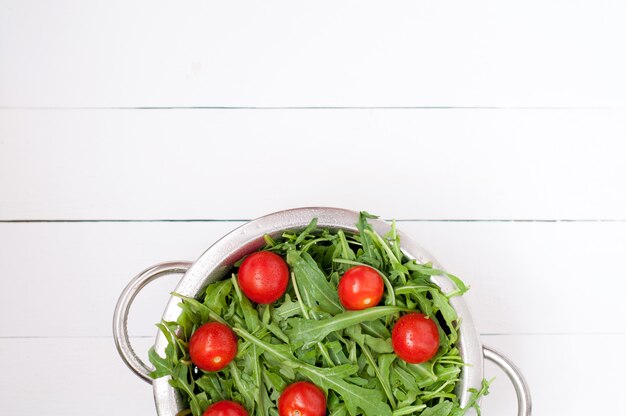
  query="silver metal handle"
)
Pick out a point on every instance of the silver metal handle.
point(524, 404)
point(120, 316)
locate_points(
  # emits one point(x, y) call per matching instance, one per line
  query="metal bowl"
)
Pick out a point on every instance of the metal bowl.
point(214, 263)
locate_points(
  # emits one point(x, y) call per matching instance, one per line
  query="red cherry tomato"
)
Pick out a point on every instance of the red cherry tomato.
point(302, 399)
point(415, 338)
point(263, 277)
point(213, 346)
point(361, 287)
point(225, 408)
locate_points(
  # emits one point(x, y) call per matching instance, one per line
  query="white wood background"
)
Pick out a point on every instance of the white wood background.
point(134, 132)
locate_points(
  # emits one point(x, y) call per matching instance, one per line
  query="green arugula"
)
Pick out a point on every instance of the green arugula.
point(307, 334)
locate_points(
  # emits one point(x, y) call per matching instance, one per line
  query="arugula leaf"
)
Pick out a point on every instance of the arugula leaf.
point(309, 275)
point(287, 309)
point(474, 398)
point(215, 296)
point(442, 409)
point(427, 270)
point(305, 332)
point(210, 383)
point(370, 253)
point(250, 314)
point(162, 366)
point(308, 230)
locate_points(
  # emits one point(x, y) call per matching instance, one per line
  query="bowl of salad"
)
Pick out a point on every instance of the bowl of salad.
point(312, 312)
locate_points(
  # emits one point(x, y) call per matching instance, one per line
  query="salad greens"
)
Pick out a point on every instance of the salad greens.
point(307, 334)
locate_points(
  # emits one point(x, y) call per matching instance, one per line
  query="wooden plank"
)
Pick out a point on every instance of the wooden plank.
point(74, 376)
point(559, 372)
point(535, 277)
point(182, 164)
point(526, 278)
point(65, 376)
point(74, 273)
point(294, 53)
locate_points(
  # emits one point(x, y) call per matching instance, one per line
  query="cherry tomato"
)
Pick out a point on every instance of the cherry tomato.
point(302, 399)
point(213, 346)
point(225, 408)
point(263, 277)
point(415, 338)
point(361, 287)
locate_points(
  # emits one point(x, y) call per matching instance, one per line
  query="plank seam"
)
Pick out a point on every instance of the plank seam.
point(209, 220)
point(546, 108)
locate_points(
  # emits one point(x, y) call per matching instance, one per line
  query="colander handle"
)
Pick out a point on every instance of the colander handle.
point(120, 316)
point(524, 404)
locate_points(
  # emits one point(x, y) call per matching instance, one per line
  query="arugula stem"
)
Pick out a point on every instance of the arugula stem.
point(384, 383)
point(305, 313)
point(408, 410)
point(259, 382)
point(424, 372)
point(395, 240)
point(408, 289)
point(451, 360)
point(367, 326)
point(395, 262)
point(212, 315)
point(345, 248)
point(303, 308)
point(307, 332)
point(353, 356)
point(268, 347)
point(238, 320)
point(428, 394)
point(305, 247)
point(259, 334)
point(234, 371)
point(188, 388)
point(308, 230)
point(269, 241)
point(383, 244)
point(236, 286)
point(340, 411)
point(325, 354)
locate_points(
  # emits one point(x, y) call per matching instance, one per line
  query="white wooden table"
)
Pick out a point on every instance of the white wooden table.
point(135, 132)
